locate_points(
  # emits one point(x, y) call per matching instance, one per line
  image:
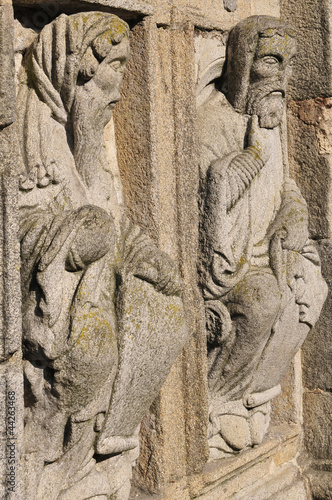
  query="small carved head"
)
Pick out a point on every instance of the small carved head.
point(260, 53)
point(100, 76)
point(69, 52)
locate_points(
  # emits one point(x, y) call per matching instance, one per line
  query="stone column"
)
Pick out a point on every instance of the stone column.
point(160, 154)
point(11, 379)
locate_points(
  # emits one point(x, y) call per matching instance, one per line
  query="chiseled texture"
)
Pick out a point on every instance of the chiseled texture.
point(260, 274)
point(102, 315)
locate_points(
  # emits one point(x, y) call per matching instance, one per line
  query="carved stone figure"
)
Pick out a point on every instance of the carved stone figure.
point(260, 273)
point(102, 316)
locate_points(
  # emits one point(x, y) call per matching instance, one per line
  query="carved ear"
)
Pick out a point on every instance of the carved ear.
point(89, 65)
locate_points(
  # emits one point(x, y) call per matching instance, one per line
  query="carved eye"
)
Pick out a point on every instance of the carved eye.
point(270, 60)
point(116, 65)
point(89, 65)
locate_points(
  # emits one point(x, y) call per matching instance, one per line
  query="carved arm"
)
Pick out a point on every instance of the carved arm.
point(147, 262)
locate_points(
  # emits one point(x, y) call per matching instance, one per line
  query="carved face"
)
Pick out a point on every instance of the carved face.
point(98, 96)
point(269, 75)
point(93, 106)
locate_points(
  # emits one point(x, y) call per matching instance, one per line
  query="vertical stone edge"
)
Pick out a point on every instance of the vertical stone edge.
point(7, 87)
point(310, 138)
point(133, 135)
point(311, 20)
point(11, 375)
point(195, 358)
point(139, 123)
point(155, 135)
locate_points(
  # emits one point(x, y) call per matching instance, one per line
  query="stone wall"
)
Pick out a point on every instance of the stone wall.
point(310, 158)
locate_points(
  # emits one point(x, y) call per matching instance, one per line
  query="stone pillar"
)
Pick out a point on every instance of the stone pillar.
point(162, 162)
point(11, 379)
point(310, 150)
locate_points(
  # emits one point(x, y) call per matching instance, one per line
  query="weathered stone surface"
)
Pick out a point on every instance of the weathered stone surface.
point(311, 20)
point(158, 182)
point(310, 160)
point(225, 476)
point(321, 484)
point(7, 89)
point(258, 269)
point(173, 437)
point(11, 379)
point(252, 470)
point(210, 51)
point(264, 470)
point(284, 484)
point(287, 406)
point(317, 423)
point(219, 14)
point(309, 133)
point(102, 318)
point(317, 369)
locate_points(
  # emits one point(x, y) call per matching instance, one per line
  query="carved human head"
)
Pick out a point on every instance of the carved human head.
point(74, 71)
point(258, 66)
point(68, 53)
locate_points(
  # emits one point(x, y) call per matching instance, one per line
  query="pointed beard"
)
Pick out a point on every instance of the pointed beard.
point(268, 106)
point(88, 133)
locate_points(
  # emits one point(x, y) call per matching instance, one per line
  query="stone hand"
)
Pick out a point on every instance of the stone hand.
point(157, 268)
point(296, 238)
point(259, 140)
point(94, 238)
point(291, 224)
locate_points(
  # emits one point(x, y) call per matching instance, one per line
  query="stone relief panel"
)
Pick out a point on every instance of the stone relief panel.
point(259, 271)
point(102, 314)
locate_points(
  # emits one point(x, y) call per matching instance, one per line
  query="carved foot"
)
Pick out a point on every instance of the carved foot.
point(236, 427)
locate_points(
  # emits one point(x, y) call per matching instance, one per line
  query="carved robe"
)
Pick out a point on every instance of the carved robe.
point(272, 296)
point(88, 362)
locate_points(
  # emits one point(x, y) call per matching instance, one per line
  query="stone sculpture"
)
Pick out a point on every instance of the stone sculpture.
point(102, 316)
point(259, 272)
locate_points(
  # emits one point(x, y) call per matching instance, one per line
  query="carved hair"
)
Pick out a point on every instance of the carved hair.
point(241, 48)
point(69, 48)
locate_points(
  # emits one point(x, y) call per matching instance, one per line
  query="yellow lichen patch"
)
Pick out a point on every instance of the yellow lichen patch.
point(114, 35)
point(85, 17)
point(97, 329)
point(118, 27)
point(75, 24)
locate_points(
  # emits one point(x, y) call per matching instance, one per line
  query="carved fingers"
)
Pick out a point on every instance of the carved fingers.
point(291, 223)
point(158, 269)
point(297, 236)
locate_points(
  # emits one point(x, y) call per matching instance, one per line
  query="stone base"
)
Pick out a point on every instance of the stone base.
point(266, 472)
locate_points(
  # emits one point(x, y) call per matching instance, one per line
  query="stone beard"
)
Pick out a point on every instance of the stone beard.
point(268, 106)
point(260, 274)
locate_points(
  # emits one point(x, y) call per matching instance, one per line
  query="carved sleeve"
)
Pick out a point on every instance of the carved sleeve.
point(293, 212)
point(240, 173)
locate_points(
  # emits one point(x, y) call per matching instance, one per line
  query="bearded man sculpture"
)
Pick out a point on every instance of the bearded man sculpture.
point(260, 274)
point(102, 316)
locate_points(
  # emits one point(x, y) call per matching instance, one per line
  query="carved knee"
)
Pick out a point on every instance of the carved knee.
point(257, 299)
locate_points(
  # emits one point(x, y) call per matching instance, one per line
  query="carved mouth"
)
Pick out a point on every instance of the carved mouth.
point(278, 93)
